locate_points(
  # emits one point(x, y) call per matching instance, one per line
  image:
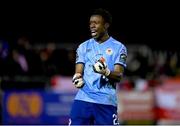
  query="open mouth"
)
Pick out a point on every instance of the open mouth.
point(93, 33)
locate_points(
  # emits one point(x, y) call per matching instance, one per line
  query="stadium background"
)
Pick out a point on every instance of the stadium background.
point(37, 54)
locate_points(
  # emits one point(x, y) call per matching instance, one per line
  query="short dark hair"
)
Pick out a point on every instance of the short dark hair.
point(104, 13)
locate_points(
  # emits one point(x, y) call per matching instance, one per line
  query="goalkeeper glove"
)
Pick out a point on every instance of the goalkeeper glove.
point(101, 67)
point(77, 80)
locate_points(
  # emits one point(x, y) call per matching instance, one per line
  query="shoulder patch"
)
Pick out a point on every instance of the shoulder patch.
point(123, 58)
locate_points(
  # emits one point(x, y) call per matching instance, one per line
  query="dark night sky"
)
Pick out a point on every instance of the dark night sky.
point(148, 23)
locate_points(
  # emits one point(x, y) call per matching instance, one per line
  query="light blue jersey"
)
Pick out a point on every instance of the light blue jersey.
point(114, 52)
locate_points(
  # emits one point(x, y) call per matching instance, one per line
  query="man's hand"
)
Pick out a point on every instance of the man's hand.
point(101, 67)
point(77, 80)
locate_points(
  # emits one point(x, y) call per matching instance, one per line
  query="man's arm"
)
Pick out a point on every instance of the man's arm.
point(77, 78)
point(117, 74)
point(79, 68)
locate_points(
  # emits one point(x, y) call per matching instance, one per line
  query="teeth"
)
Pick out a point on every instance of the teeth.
point(93, 33)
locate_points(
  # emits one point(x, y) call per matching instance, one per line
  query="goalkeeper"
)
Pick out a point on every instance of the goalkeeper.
point(100, 63)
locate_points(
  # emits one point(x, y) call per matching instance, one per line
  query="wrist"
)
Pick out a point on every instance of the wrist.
point(107, 72)
point(77, 75)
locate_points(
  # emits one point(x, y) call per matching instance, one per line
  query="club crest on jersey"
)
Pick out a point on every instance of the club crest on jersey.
point(109, 51)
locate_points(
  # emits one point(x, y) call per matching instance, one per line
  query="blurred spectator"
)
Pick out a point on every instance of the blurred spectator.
point(33, 61)
point(16, 64)
point(138, 64)
point(65, 61)
point(21, 61)
point(70, 64)
point(4, 49)
point(48, 67)
point(172, 65)
point(159, 62)
point(4, 52)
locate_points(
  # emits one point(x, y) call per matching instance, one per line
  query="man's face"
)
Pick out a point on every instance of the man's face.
point(97, 26)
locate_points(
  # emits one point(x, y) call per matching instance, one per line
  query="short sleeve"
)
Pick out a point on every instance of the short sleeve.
point(122, 56)
point(80, 54)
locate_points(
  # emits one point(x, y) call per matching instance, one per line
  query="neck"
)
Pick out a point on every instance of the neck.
point(102, 38)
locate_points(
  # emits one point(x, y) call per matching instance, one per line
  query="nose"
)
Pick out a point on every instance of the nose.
point(92, 25)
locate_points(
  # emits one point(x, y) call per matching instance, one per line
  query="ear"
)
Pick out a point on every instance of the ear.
point(106, 25)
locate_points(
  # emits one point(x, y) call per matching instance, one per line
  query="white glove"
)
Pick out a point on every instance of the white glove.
point(77, 80)
point(101, 67)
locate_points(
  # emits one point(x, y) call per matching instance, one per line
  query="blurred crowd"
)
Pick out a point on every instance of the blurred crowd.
point(23, 58)
point(34, 65)
point(147, 62)
point(148, 67)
